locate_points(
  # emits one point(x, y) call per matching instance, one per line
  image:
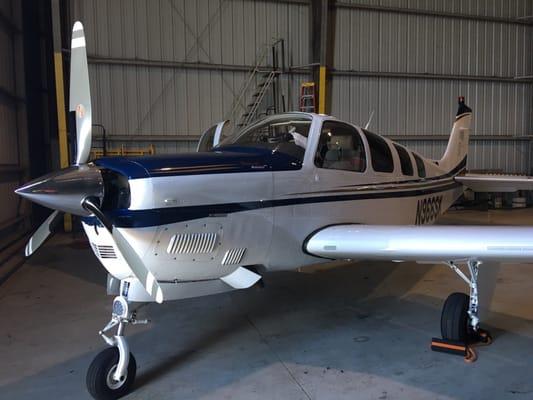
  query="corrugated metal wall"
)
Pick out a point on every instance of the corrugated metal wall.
point(12, 117)
point(160, 97)
point(146, 79)
point(382, 55)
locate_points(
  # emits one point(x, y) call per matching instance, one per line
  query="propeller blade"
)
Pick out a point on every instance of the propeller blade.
point(80, 93)
point(42, 233)
point(136, 264)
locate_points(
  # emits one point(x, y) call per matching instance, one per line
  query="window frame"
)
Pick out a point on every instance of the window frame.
point(420, 165)
point(356, 131)
point(402, 150)
point(367, 134)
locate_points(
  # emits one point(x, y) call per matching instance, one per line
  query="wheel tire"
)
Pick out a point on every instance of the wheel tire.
point(454, 318)
point(98, 373)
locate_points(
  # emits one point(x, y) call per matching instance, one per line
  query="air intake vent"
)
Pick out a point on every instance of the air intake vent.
point(104, 251)
point(233, 256)
point(192, 243)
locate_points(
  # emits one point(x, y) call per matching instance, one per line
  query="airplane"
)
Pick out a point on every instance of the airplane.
point(287, 191)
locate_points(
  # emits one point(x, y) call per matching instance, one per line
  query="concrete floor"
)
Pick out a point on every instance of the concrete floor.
point(358, 331)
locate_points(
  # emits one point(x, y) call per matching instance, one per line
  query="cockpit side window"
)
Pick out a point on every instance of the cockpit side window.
point(420, 166)
point(405, 160)
point(380, 153)
point(340, 147)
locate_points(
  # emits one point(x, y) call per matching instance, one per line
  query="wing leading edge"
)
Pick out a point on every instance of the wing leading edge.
point(423, 243)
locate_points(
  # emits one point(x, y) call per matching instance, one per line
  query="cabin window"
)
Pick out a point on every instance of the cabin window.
point(405, 160)
point(340, 147)
point(380, 153)
point(421, 168)
point(286, 135)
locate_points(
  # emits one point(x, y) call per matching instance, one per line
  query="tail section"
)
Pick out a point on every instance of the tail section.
point(455, 155)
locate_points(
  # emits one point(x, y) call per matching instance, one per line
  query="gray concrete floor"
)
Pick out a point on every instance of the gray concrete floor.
point(348, 331)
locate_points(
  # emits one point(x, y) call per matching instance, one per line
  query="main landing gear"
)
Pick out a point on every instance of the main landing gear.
point(459, 322)
point(112, 372)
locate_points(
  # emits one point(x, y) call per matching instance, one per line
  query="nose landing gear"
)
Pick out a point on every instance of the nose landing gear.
point(112, 372)
point(100, 380)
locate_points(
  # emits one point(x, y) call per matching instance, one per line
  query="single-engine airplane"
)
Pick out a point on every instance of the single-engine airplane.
point(287, 191)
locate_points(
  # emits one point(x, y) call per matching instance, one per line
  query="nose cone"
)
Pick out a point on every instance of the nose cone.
point(65, 190)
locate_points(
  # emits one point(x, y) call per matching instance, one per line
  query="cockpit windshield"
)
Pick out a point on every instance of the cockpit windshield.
point(285, 134)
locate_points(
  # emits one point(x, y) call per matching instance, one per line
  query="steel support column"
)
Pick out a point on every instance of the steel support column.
point(60, 97)
point(321, 36)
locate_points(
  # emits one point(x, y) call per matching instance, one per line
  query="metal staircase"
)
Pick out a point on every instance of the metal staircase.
point(257, 98)
point(255, 89)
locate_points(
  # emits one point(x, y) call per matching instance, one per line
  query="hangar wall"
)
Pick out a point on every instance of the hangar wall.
point(168, 68)
point(409, 67)
point(163, 71)
point(13, 156)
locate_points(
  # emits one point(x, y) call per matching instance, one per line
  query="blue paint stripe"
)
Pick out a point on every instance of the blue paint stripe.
point(164, 216)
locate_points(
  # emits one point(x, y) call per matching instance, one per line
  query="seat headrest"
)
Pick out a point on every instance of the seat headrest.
point(333, 155)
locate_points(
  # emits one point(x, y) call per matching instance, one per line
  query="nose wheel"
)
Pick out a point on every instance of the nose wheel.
point(100, 380)
point(112, 372)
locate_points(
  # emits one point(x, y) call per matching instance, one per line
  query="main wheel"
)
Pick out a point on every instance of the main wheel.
point(100, 382)
point(454, 318)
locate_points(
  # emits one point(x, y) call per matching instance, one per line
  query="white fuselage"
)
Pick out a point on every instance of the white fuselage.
point(264, 217)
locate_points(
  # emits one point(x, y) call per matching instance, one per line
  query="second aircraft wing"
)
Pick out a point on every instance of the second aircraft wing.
point(495, 182)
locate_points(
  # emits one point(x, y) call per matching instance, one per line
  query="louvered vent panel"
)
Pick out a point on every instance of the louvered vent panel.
point(233, 256)
point(192, 243)
point(104, 251)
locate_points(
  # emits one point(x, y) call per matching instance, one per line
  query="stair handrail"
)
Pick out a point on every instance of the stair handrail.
point(259, 98)
point(244, 89)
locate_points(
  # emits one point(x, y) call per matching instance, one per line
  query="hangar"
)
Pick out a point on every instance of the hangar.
point(261, 199)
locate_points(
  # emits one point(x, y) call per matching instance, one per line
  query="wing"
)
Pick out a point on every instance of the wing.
point(434, 243)
point(496, 182)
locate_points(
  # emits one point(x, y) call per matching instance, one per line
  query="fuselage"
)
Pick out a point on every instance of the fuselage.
point(199, 216)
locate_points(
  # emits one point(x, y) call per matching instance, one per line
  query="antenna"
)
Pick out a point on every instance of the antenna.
point(369, 120)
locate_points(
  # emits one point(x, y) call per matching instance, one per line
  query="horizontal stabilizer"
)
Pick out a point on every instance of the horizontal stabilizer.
point(496, 182)
point(434, 243)
point(241, 278)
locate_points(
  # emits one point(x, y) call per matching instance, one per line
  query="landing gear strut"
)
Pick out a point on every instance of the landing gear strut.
point(460, 318)
point(112, 372)
point(457, 304)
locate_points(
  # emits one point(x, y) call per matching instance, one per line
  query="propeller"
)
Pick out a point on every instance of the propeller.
point(80, 93)
point(42, 233)
point(80, 103)
point(79, 189)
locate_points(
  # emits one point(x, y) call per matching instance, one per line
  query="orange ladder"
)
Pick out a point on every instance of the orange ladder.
point(307, 97)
